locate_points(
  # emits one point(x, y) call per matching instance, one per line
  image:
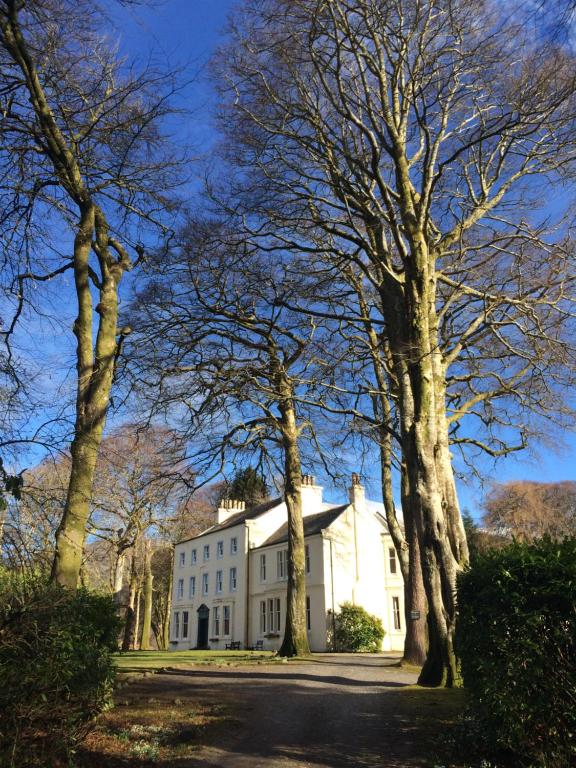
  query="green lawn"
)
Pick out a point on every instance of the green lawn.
point(140, 661)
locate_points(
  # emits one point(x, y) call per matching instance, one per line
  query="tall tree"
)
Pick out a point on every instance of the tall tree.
point(247, 485)
point(392, 138)
point(82, 150)
point(242, 363)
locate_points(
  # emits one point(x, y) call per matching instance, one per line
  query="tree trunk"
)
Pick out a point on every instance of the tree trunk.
point(415, 605)
point(295, 642)
point(168, 610)
point(148, 589)
point(137, 620)
point(130, 617)
point(119, 575)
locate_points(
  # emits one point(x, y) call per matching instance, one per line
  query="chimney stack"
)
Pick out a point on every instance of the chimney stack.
point(227, 508)
point(311, 495)
point(356, 492)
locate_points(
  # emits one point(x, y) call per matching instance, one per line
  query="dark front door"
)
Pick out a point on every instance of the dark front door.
point(203, 616)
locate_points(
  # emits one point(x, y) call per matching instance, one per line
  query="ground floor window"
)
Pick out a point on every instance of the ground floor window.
point(262, 617)
point(274, 614)
point(226, 619)
point(216, 621)
point(184, 624)
point(308, 625)
point(176, 625)
point(396, 612)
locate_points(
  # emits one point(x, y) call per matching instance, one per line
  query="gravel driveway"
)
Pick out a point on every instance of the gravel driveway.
point(337, 710)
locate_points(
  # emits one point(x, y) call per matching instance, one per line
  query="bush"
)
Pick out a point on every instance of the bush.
point(516, 640)
point(357, 630)
point(56, 669)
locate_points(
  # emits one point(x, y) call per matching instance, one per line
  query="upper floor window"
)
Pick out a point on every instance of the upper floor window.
point(307, 557)
point(206, 551)
point(218, 581)
point(182, 559)
point(262, 567)
point(220, 549)
point(392, 560)
point(234, 545)
point(233, 580)
point(192, 587)
point(204, 583)
point(193, 557)
point(180, 589)
point(282, 564)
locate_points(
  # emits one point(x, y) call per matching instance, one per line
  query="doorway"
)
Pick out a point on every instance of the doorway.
point(203, 617)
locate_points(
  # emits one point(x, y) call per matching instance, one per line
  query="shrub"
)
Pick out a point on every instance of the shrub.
point(357, 630)
point(56, 670)
point(516, 640)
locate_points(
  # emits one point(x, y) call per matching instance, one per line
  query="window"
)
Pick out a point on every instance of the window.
point(216, 621)
point(218, 581)
point(307, 557)
point(392, 559)
point(274, 614)
point(226, 619)
point(182, 559)
point(233, 580)
point(234, 545)
point(192, 587)
point(204, 583)
point(262, 567)
point(180, 589)
point(206, 552)
point(220, 550)
point(176, 625)
point(193, 557)
point(184, 625)
point(396, 612)
point(308, 613)
point(282, 564)
point(262, 617)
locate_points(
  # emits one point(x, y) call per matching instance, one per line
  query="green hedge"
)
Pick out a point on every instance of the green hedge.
point(56, 670)
point(357, 630)
point(516, 639)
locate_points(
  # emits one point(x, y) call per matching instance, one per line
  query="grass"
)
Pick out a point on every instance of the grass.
point(142, 661)
point(140, 732)
point(432, 714)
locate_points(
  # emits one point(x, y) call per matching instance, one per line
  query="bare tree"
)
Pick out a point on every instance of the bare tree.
point(84, 167)
point(401, 139)
point(242, 364)
point(528, 510)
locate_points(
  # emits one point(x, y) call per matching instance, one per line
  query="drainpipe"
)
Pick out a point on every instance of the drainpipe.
point(332, 596)
point(247, 621)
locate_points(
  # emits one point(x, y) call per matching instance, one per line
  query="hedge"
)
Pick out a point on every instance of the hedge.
point(516, 640)
point(56, 670)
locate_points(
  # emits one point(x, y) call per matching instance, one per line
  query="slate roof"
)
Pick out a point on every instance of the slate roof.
point(313, 524)
point(238, 518)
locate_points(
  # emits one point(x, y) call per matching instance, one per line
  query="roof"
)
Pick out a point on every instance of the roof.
point(238, 518)
point(313, 524)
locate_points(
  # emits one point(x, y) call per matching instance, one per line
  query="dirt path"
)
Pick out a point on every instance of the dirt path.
point(332, 712)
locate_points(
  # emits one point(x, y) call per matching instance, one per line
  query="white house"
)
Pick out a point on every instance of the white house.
point(230, 581)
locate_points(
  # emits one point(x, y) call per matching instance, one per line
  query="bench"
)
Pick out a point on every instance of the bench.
point(258, 646)
point(233, 646)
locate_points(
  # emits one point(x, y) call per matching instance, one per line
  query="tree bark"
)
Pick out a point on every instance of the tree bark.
point(130, 616)
point(295, 642)
point(416, 641)
point(148, 591)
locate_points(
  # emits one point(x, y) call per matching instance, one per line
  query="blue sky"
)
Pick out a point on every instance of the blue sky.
point(183, 34)
point(186, 32)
